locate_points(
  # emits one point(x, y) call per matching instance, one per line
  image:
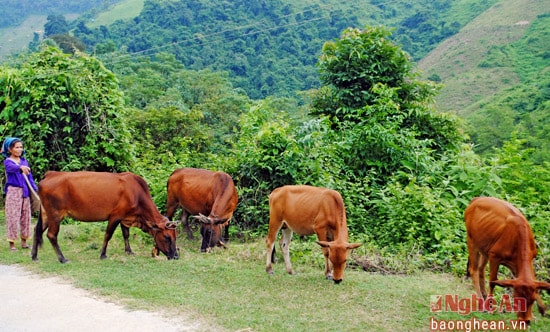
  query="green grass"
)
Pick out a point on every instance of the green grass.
point(16, 39)
point(124, 10)
point(229, 289)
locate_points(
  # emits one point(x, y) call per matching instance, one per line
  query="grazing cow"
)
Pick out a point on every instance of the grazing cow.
point(122, 198)
point(309, 210)
point(498, 233)
point(209, 196)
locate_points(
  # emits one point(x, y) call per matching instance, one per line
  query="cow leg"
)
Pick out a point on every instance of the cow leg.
point(285, 243)
point(52, 236)
point(206, 233)
point(493, 274)
point(126, 236)
point(540, 305)
point(186, 224)
point(225, 232)
point(111, 226)
point(274, 227)
point(477, 263)
point(328, 264)
point(482, 263)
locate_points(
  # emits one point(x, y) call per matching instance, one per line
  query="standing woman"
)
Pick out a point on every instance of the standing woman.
point(18, 203)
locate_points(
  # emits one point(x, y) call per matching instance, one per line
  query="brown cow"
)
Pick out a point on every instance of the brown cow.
point(309, 210)
point(498, 233)
point(209, 196)
point(122, 198)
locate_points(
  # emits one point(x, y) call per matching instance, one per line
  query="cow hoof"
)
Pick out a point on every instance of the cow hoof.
point(337, 281)
point(103, 257)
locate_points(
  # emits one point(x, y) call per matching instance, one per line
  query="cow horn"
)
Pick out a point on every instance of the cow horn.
point(204, 219)
point(171, 225)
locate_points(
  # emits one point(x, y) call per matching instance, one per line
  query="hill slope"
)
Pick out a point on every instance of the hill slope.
point(457, 60)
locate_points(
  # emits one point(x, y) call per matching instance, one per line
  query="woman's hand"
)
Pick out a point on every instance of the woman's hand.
point(25, 170)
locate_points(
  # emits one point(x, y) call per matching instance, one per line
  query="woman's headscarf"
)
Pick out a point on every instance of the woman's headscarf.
point(8, 142)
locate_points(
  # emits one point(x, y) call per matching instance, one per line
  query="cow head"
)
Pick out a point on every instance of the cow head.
point(164, 236)
point(525, 290)
point(211, 232)
point(338, 255)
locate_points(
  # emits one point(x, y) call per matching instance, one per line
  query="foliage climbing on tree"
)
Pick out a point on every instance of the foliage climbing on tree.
point(68, 110)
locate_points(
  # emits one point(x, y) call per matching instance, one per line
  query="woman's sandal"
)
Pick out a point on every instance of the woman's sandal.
point(13, 249)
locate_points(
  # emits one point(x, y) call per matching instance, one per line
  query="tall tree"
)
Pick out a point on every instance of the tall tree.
point(55, 25)
point(373, 96)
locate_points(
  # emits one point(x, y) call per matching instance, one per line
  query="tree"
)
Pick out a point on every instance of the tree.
point(55, 25)
point(68, 110)
point(383, 112)
point(68, 43)
point(352, 65)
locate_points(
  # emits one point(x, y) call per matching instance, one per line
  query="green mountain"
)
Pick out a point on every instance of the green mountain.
point(268, 47)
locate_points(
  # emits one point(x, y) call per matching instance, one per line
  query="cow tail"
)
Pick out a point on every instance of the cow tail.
point(468, 268)
point(38, 230)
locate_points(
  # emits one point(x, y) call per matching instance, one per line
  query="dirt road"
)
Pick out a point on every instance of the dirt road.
point(29, 303)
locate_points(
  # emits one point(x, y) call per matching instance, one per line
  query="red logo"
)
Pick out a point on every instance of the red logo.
point(464, 306)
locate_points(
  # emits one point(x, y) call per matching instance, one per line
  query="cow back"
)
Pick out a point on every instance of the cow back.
point(306, 208)
point(97, 196)
point(499, 229)
point(201, 191)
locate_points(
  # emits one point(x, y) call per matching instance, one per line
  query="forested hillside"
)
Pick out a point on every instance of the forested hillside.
point(270, 48)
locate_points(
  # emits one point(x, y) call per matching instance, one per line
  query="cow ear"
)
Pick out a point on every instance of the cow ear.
point(503, 283)
point(543, 285)
point(354, 245)
point(323, 244)
point(220, 221)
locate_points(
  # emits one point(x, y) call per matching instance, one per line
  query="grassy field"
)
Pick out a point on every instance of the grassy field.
point(14, 40)
point(124, 10)
point(230, 290)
